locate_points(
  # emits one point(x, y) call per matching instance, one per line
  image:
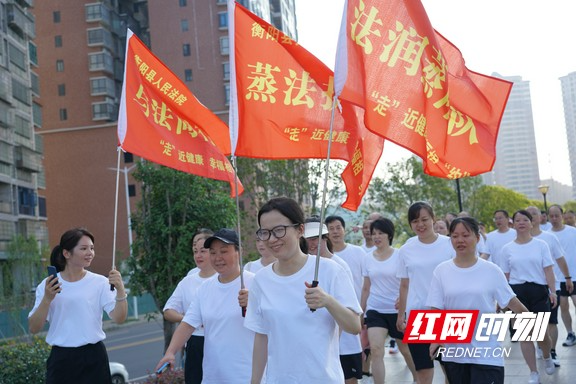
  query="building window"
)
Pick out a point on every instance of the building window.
point(131, 190)
point(58, 41)
point(182, 3)
point(221, 2)
point(128, 158)
point(226, 70)
point(184, 25)
point(187, 75)
point(186, 49)
point(56, 16)
point(102, 86)
point(63, 114)
point(17, 57)
point(222, 20)
point(103, 111)
point(101, 61)
point(59, 65)
point(227, 93)
point(61, 89)
point(224, 45)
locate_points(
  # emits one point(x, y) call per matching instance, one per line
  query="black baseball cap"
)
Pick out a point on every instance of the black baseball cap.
point(225, 235)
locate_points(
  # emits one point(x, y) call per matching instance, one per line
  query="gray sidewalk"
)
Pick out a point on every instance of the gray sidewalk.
point(517, 371)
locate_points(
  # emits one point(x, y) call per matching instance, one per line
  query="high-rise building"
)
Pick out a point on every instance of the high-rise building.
point(22, 199)
point(81, 49)
point(568, 83)
point(516, 165)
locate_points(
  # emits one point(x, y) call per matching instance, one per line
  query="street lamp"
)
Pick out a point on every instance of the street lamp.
point(544, 190)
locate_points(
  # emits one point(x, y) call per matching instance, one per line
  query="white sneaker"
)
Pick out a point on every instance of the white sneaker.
point(538, 353)
point(549, 366)
point(393, 349)
point(534, 378)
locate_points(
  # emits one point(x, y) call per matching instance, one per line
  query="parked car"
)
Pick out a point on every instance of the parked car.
point(119, 373)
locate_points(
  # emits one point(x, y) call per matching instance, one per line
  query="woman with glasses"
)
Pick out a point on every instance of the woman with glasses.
point(297, 325)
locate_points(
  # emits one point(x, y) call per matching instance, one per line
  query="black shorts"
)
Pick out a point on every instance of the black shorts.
point(421, 355)
point(87, 364)
point(473, 373)
point(193, 362)
point(375, 319)
point(554, 311)
point(534, 296)
point(564, 292)
point(351, 365)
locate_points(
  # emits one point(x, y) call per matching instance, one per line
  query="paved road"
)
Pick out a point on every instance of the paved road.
point(139, 345)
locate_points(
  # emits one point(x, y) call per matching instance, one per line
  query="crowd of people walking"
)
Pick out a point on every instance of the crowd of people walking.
point(316, 309)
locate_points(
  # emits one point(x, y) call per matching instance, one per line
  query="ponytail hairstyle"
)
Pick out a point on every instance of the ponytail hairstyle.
point(68, 241)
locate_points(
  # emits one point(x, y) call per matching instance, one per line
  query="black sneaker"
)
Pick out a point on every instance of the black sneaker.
point(554, 357)
point(570, 340)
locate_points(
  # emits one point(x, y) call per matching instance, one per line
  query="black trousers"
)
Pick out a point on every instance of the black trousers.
point(87, 364)
point(193, 362)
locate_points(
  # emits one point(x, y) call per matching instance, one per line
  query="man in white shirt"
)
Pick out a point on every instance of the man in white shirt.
point(567, 237)
point(499, 237)
point(353, 255)
point(544, 224)
point(560, 271)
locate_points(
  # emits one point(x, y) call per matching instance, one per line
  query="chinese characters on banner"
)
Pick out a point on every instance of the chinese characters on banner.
point(285, 96)
point(160, 120)
point(416, 90)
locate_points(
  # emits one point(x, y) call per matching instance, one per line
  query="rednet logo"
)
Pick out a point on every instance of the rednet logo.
point(450, 326)
point(435, 326)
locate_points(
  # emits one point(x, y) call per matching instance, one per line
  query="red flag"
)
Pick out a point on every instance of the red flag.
point(416, 90)
point(285, 96)
point(161, 120)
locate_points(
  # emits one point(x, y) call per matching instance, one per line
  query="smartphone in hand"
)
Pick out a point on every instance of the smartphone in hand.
point(52, 271)
point(163, 368)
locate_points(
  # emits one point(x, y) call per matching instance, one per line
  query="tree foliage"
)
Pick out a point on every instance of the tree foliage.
point(489, 198)
point(405, 183)
point(173, 207)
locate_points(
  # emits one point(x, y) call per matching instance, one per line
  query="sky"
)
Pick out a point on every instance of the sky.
point(527, 38)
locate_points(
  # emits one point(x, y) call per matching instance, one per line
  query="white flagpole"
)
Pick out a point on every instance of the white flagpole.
point(233, 129)
point(115, 214)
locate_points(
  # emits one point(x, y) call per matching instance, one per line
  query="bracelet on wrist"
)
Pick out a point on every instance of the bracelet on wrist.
point(121, 298)
point(568, 278)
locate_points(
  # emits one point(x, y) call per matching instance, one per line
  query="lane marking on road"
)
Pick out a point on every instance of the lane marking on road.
point(128, 345)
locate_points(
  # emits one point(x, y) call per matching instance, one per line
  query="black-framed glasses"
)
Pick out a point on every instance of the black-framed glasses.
point(278, 231)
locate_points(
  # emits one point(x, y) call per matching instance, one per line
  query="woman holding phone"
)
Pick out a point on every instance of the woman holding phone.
point(72, 304)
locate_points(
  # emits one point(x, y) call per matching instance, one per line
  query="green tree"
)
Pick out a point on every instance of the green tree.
point(406, 183)
point(19, 275)
point(488, 198)
point(173, 207)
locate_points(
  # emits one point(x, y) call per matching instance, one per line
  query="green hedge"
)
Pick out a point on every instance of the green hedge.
point(24, 362)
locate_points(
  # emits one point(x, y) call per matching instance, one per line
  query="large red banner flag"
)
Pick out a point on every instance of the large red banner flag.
point(284, 98)
point(416, 89)
point(162, 121)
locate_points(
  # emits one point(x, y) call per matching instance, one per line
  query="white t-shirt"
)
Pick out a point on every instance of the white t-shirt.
point(75, 314)
point(567, 238)
point(526, 262)
point(546, 227)
point(349, 344)
point(302, 345)
point(183, 294)
point(354, 255)
point(254, 266)
point(417, 261)
point(556, 251)
point(384, 285)
point(495, 241)
point(228, 344)
point(479, 287)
